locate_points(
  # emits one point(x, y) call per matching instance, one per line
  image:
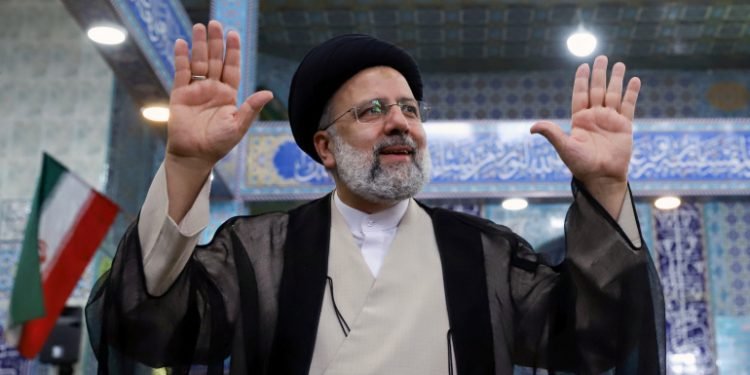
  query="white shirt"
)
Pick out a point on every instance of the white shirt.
point(373, 233)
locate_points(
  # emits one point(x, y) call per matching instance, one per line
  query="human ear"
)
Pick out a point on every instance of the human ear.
point(323, 143)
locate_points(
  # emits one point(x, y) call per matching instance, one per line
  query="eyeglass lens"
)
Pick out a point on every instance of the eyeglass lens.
point(375, 109)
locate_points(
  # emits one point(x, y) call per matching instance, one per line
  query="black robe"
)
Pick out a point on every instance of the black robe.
point(256, 290)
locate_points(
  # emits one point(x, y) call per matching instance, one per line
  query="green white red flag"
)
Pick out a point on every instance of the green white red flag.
point(68, 221)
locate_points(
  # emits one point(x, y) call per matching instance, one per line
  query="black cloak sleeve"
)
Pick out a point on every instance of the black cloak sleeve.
point(599, 311)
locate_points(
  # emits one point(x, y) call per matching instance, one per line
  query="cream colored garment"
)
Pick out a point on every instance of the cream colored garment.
point(167, 247)
point(373, 233)
point(399, 321)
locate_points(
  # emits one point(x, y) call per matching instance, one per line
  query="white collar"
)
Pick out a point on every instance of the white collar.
point(384, 220)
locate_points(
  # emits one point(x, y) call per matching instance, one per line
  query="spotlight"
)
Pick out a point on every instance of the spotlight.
point(156, 113)
point(667, 203)
point(107, 34)
point(581, 43)
point(515, 204)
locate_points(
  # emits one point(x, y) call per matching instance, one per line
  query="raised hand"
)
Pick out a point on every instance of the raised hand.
point(205, 122)
point(600, 143)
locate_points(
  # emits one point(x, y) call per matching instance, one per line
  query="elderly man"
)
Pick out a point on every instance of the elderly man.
point(366, 280)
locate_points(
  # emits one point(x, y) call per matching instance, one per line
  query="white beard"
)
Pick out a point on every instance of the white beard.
point(363, 174)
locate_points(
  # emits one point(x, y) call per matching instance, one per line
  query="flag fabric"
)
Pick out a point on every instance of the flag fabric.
point(68, 221)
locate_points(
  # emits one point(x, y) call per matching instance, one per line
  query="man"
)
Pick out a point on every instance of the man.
point(366, 280)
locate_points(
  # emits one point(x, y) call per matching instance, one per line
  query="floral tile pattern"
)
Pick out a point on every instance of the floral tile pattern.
point(682, 262)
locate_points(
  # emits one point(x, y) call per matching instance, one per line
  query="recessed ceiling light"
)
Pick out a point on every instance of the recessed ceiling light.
point(109, 35)
point(515, 204)
point(156, 113)
point(581, 43)
point(667, 203)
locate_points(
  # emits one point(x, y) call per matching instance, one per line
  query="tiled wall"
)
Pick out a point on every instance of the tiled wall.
point(534, 95)
point(727, 227)
point(546, 94)
point(682, 261)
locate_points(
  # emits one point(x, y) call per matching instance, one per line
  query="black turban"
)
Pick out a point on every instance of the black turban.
point(326, 67)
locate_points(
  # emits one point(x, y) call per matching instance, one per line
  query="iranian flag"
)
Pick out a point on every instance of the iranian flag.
point(68, 221)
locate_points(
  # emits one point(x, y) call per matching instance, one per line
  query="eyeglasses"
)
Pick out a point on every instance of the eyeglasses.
point(375, 110)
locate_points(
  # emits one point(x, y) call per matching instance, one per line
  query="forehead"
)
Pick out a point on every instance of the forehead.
point(376, 82)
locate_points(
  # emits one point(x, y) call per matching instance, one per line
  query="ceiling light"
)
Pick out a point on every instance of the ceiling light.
point(557, 222)
point(515, 204)
point(156, 113)
point(667, 203)
point(109, 35)
point(581, 43)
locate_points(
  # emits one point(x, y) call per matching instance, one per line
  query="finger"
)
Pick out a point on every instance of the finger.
point(199, 58)
point(580, 99)
point(181, 64)
point(554, 134)
point(614, 89)
point(598, 81)
point(630, 98)
point(231, 72)
point(215, 49)
point(250, 109)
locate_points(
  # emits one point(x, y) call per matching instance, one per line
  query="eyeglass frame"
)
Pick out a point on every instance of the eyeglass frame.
point(422, 107)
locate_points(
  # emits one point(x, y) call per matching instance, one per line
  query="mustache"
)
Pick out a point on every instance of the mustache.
point(389, 141)
point(395, 140)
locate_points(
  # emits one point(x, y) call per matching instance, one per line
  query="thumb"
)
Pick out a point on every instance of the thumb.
point(554, 134)
point(252, 106)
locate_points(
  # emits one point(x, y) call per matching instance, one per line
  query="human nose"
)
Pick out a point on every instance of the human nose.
point(395, 120)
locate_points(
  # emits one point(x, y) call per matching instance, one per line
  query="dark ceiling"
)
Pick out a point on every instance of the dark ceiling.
point(450, 36)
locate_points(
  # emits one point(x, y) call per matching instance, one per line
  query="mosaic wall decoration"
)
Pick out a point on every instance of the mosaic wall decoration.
point(546, 94)
point(242, 17)
point(538, 95)
point(727, 224)
point(682, 263)
point(155, 25)
point(516, 96)
point(501, 158)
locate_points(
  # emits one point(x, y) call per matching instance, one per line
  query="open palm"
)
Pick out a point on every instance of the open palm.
point(205, 122)
point(597, 151)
